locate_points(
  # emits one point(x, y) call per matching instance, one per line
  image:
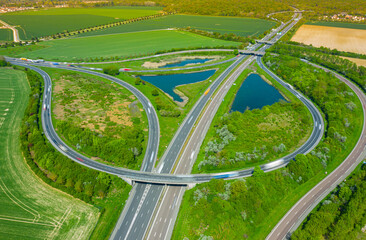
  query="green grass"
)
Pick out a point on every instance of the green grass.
point(51, 21)
point(238, 26)
point(29, 208)
point(128, 44)
point(6, 35)
point(339, 24)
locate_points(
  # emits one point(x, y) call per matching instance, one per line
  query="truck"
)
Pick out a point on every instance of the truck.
point(23, 59)
point(207, 91)
point(38, 61)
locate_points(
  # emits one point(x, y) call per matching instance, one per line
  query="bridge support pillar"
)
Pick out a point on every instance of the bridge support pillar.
point(127, 180)
point(191, 185)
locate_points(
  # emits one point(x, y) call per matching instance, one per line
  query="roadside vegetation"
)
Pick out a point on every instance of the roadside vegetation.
point(238, 140)
point(99, 118)
point(341, 215)
point(128, 44)
point(106, 192)
point(251, 207)
point(25, 200)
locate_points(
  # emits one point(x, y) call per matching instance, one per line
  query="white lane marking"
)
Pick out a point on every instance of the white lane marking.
point(148, 109)
point(320, 126)
point(161, 167)
point(192, 154)
point(166, 234)
point(190, 120)
point(316, 123)
point(138, 209)
point(152, 156)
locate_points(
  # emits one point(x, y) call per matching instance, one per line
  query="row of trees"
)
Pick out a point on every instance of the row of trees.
point(249, 210)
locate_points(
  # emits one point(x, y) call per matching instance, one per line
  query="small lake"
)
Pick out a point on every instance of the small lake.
point(255, 93)
point(186, 62)
point(167, 83)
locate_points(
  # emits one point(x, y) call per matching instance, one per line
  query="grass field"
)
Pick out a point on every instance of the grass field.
point(338, 24)
point(30, 209)
point(6, 35)
point(50, 21)
point(342, 39)
point(127, 44)
point(238, 26)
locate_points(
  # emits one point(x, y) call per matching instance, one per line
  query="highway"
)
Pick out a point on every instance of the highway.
point(303, 207)
point(144, 201)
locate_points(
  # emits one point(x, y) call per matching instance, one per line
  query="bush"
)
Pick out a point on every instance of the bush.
point(111, 70)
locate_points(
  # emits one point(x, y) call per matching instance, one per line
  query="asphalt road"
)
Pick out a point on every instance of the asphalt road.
point(303, 207)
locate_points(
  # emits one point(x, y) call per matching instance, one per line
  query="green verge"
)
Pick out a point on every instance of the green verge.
point(30, 208)
point(126, 44)
point(293, 109)
point(251, 207)
point(91, 114)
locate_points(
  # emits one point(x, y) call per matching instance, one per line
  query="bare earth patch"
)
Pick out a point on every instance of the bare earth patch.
point(178, 59)
point(343, 39)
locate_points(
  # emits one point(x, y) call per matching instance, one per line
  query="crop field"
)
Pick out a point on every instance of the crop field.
point(47, 22)
point(238, 26)
point(342, 39)
point(359, 62)
point(6, 35)
point(128, 44)
point(29, 208)
point(338, 24)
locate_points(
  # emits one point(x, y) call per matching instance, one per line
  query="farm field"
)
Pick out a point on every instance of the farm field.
point(6, 35)
point(359, 62)
point(29, 208)
point(128, 44)
point(338, 24)
point(51, 21)
point(342, 39)
point(238, 26)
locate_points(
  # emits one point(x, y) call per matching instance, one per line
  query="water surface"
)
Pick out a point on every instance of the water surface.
point(255, 93)
point(168, 82)
point(186, 62)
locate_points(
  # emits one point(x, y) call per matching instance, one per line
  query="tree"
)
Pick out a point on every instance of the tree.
point(155, 92)
point(111, 70)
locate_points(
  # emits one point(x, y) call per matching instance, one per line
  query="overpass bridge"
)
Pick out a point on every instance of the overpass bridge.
point(255, 53)
point(265, 42)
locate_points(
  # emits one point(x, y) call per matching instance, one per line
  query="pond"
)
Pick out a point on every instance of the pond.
point(167, 83)
point(255, 93)
point(186, 62)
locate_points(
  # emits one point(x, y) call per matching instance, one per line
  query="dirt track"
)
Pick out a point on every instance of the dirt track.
point(343, 39)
